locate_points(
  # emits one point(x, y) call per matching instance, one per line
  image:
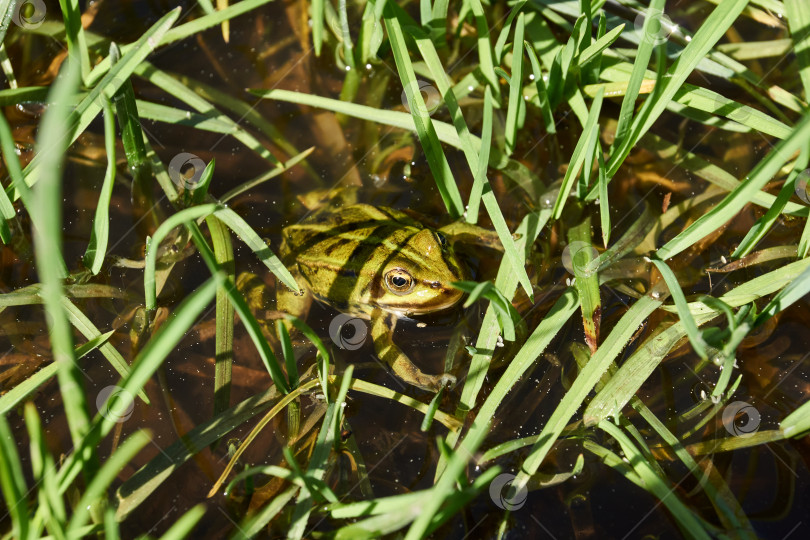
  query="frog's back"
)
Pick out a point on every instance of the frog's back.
point(340, 252)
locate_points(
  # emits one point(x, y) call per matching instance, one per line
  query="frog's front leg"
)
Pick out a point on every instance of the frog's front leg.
point(467, 233)
point(296, 303)
point(382, 330)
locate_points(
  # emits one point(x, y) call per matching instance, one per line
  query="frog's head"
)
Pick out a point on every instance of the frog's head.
point(416, 280)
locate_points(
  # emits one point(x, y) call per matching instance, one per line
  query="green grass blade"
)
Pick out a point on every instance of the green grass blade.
point(613, 344)
point(316, 12)
point(653, 483)
point(153, 244)
point(74, 34)
point(643, 55)
point(47, 205)
point(515, 88)
point(86, 111)
point(97, 247)
point(733, 203)
point(288, 353)
point(695, 338)
point(244, 231)
point(105, 476)
point(424, 126)
point(582, 255)
point(578, 156)
point(223, 347)
point(484, 48)
point(798, 13)
point(184, 525)
point(143, 367)
point(318, 463)
point(14, 397)
point(712, 29)
point(12, 482)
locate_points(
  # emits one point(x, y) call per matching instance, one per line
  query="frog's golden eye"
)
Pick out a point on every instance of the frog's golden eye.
point(442, 239)
point(399, 281)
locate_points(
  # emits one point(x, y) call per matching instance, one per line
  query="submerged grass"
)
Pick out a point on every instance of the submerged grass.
point(604, 80)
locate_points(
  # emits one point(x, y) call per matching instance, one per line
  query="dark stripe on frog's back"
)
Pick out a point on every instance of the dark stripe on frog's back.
point(335, 276)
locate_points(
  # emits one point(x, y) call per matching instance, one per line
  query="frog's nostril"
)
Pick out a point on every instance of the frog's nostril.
point(435, 285)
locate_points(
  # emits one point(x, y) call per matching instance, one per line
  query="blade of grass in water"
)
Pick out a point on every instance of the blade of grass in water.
point(148, 360)
point(437, 161)
point(712, 29)
point(320, 454)
point(12, 481)
point(223, 346)
point(653, 483)
point(484, 48)
point(733, 203)
point(105, 476)
point(578, 156)
point(86, 111)
point(675, 291)
point(515, 88)
point(643, 55)
point(51, 145)
point(798, 12)
point(97, 247)
point(585, 381)
point(74, 34)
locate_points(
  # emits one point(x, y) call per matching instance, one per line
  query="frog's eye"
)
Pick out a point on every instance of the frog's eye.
point(442, 239)
point(399, 281)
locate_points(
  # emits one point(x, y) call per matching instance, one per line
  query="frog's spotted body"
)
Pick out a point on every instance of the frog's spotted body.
point(375, 263)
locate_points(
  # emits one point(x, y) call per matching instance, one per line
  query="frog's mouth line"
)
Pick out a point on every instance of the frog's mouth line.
point(448, 298)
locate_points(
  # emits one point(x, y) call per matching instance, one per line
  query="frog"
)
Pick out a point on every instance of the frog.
point(378, 264)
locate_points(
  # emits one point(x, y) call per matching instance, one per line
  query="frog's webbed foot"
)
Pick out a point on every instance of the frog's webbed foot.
point(382, 327)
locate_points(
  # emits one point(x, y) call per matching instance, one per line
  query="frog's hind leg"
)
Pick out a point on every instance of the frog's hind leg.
point(382, 329)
